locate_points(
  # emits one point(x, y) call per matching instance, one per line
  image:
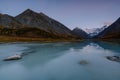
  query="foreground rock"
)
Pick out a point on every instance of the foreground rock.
point(83, 62)
point(114, 58)
point(14, 57)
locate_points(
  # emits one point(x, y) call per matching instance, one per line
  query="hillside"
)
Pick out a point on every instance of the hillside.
point(80, 33)
point(34, 25)
point(43, 22)
point(111, 32)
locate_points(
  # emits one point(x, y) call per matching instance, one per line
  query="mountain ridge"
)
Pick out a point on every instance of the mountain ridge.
point(80, 33)
point(33, 24)
point(9, 21)
point(43, 22)
point(111, 32)
point(95, 31)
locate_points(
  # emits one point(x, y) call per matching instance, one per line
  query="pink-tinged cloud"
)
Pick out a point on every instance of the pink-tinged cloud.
point(108, 23)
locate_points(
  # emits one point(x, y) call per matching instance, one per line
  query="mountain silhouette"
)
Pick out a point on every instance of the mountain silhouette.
point(33, 24)
point(80, 33)
point(111, 32)
point(43, 22)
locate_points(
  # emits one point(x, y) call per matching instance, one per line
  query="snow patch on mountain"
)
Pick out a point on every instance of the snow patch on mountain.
point(95, 31)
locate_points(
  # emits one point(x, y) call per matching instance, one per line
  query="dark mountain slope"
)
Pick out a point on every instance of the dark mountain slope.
point(9, 26)
point(38, 25)
point(43, 22)
point(9, 21)
point(112, 32)
point(80, 33)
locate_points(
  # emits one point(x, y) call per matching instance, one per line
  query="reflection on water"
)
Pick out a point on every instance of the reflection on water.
point(60, 61)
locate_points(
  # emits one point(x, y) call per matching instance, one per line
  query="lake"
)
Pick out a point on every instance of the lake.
point(60, 61)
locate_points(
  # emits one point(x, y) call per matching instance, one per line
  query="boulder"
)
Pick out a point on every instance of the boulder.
point(83, 62)
point(113, 58)
point(14, 57)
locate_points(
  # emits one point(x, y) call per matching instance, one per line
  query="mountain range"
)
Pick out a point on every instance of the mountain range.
point(39, 25)
point(106, 32)
point(95, 31)
point(33, 24)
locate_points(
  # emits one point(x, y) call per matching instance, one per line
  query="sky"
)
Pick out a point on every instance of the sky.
point(72, 13)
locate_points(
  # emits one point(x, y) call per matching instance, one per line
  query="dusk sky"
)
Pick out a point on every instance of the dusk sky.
point(72, 13)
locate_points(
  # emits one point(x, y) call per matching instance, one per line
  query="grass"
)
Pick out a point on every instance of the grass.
point(30, 39)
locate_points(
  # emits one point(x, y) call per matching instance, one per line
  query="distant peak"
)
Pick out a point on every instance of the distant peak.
point(77, 28)
point(42, 13)
point(28, 10)
point(5, 15)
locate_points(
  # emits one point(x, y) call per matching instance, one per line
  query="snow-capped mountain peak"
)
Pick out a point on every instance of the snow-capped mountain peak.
point(95, 31)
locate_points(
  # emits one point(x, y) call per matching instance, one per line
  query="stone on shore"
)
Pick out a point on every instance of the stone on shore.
point(14, 57)
point(113, 58)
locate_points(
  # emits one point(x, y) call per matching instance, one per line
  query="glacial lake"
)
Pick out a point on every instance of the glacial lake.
point(60, 61)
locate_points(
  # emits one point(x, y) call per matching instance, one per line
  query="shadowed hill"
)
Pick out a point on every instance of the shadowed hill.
point(43, 22)
point(9, 22)
point(111, 32)
point(32, 24)
point(80, 33)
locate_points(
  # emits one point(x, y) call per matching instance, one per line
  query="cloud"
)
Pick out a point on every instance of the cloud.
point(108, 23)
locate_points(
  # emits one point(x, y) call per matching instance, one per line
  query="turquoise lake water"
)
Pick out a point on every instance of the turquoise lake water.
point(60, 61)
